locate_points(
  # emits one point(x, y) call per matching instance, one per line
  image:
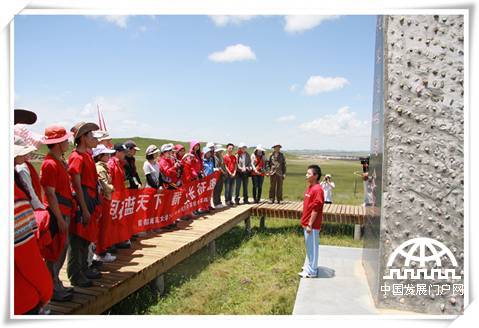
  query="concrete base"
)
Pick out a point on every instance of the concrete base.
point(341, 287)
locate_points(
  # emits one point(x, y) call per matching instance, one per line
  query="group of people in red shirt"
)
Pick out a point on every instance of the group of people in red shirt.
point(57, 210)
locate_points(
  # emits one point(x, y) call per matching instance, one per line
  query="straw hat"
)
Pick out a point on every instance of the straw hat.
point(83, 128)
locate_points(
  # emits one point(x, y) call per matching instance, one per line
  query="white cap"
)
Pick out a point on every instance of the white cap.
point(151, 149)
point(219, 147)
point(210, 144)
point(101, 135)
point(241, 145)
point(327, 176)
point(166, 147)
point(21, 148)
point(102, 149)
point(260, 148)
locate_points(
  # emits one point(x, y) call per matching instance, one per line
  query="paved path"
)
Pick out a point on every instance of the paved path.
point(341, 288)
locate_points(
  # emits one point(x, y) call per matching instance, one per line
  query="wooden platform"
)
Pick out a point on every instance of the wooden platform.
point(147, 259)
point(155, 254)
point(337, 213)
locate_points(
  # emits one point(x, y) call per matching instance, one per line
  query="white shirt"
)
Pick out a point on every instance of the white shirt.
point(328, 191)
point(153, 169)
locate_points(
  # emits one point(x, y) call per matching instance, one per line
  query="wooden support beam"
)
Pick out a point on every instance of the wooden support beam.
point(247, 224)
point(212, 250)
point(262, 223)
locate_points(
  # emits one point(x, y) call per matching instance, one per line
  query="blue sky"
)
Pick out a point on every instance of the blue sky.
point(303, 81)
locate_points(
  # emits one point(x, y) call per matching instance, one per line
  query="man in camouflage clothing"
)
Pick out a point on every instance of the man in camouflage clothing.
point(277, 173)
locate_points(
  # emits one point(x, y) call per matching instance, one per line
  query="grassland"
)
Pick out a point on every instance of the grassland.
point(250, 275)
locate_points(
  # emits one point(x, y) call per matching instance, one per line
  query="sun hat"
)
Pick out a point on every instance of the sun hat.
point(130, 144)
point(119, 147)
point(55, 134)
point(21, 148)
point(219, 147)
point(102, 149)
point(101, 135)
point(276, 145)
point(242, 145)
point(151, 149)
point(210, 144)
point(24, 116)
point(206, 149)
point(83, 128)
point(166, 147)
point(178, 147)
point(260, 148)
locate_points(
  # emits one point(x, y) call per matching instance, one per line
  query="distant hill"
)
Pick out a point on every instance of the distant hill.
point(329, 153)
point(143, 143)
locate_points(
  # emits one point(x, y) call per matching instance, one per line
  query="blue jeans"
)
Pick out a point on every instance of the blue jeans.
point(229, 185)
point(312, 252)
point(257, 187)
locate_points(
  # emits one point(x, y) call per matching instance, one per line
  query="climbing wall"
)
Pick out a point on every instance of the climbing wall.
point(417, 164)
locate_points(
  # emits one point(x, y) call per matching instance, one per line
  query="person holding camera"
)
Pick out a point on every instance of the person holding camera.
point(328, 186)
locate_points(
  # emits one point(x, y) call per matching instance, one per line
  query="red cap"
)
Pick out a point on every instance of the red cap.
point(55, 134)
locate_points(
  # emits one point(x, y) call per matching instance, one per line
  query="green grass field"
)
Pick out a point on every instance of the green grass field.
point(250, 275)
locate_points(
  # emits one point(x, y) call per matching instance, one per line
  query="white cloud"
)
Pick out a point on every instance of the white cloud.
point(318, 84)
point(342, 123)
point(237, 52)
point(298, 24)
point(118, 20)
point(286, 118)
point(223, 20)
point(293, 87)
point(106, 105)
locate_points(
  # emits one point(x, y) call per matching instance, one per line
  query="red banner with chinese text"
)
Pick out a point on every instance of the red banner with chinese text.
point(140, 210)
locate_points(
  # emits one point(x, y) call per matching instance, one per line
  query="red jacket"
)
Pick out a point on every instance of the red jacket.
point(168, 169)
point(117, 173)
point(196, 162)
point(33, 284)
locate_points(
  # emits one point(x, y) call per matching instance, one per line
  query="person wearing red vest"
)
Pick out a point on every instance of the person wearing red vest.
point(258, 162)
point(311, 220)
point(118, 179)
point(84, 179)
point(55, 181)
point(33, 285)
point(231, 167)
point(196, 161)
point(168, 167)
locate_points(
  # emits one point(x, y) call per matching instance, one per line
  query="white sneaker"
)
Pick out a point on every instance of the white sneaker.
point(306, 275)
point(219, 206)
point(108, 258)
